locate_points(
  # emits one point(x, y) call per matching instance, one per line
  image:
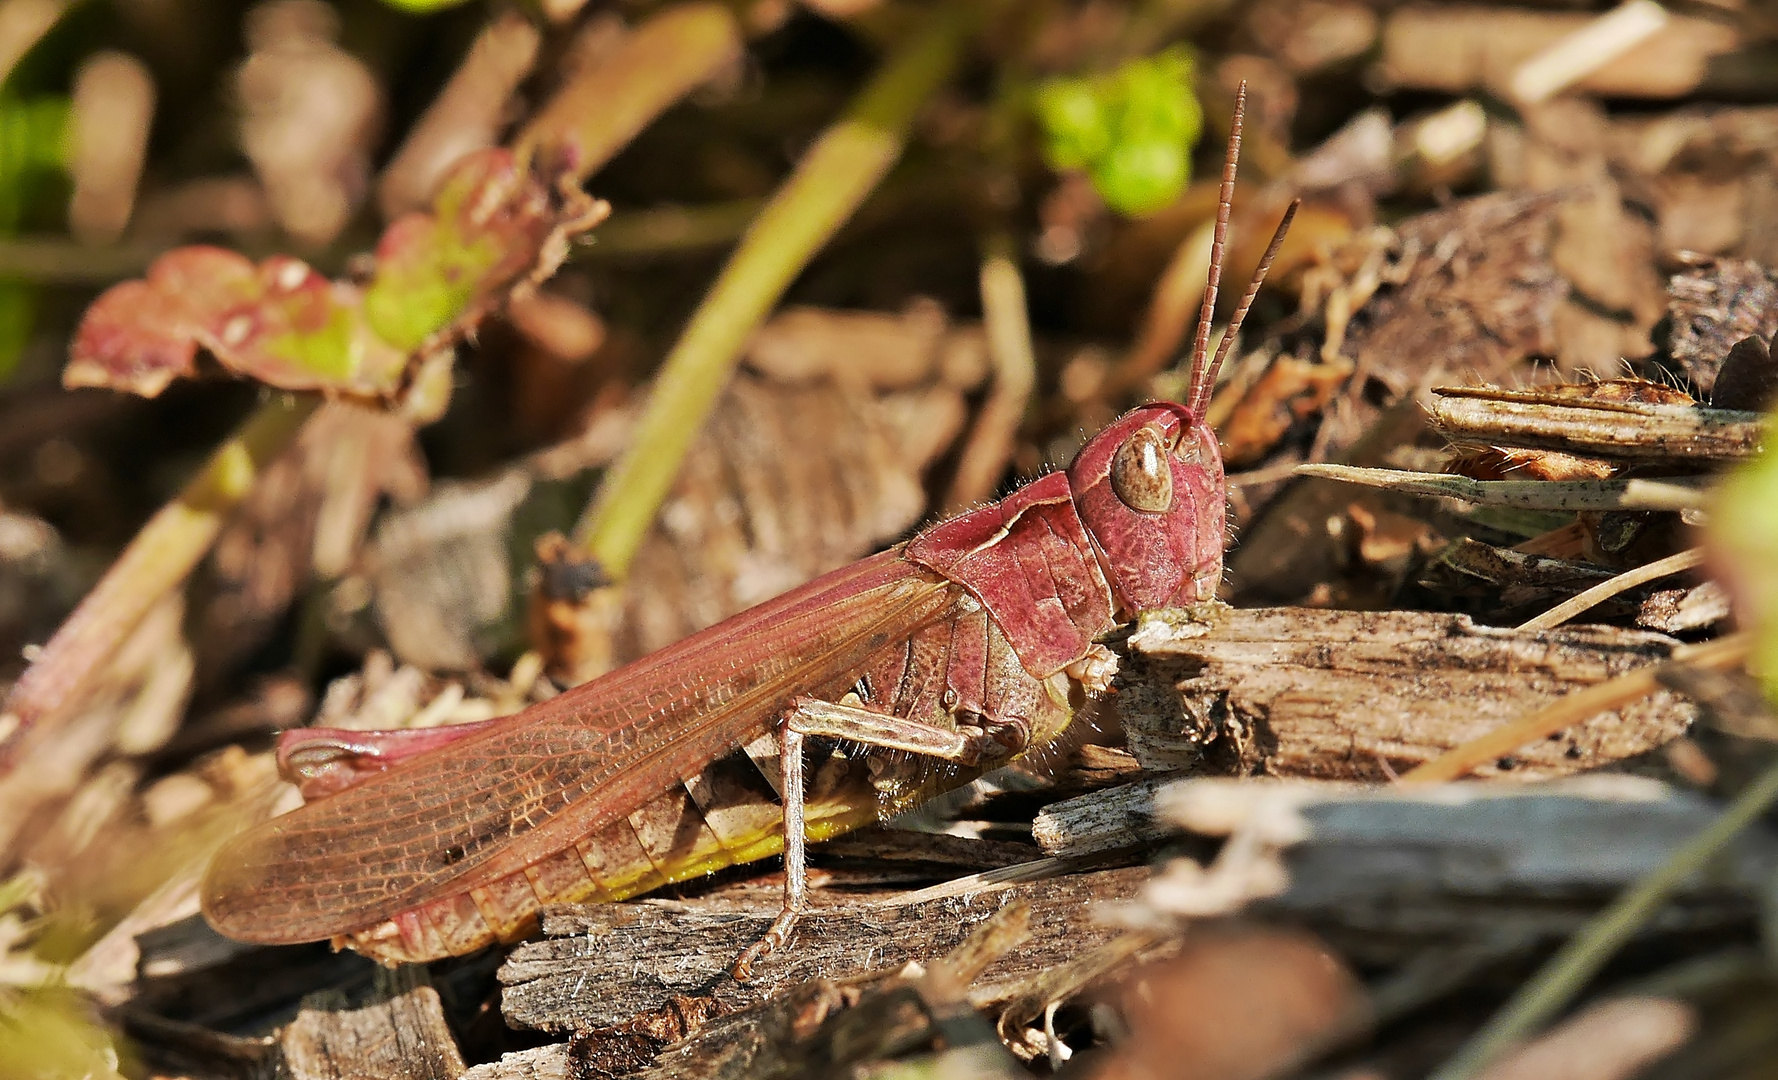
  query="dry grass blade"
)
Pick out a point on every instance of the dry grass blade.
point(1008, 327)
point(1587, 49)
point(1605, 590)
point(1672, 493)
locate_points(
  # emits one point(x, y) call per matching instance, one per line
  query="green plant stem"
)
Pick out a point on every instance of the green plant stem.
point(1568, 972)
point(830, 182)
point(156, 561)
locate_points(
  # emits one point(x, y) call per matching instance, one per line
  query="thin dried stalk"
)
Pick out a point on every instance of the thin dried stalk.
point(1674, 493)
point(834, 177)
point(608, 104)
point(1605, 590)
point(1007, 322)
point(1586, 50)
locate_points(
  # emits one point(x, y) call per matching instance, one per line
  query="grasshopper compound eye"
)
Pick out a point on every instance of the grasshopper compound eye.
point(1140, 474)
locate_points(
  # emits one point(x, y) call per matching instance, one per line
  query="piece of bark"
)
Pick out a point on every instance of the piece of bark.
point(637, 958)
point(1387, 870)
point(550, 1062)
point(440, 573)
point(936, 849)
point(403, 1036)
point(1625, 431)
point(1106, 820)
point(1361, 695)
point(1676, 611)
point(1582, 836)
point(761, 1041)
point(1711, 305)
point(823, 1028)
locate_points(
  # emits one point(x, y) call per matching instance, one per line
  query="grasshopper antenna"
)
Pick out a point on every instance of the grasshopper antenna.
point(1202, 389)
point(1204, 370)
point(1201, 344)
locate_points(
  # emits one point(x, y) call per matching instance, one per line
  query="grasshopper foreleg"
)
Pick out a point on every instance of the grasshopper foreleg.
point(854, 723)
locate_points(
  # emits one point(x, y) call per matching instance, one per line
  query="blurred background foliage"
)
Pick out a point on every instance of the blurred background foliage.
point(1131, 130)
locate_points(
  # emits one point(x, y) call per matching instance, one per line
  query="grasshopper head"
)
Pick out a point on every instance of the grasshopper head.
point(1149, 489)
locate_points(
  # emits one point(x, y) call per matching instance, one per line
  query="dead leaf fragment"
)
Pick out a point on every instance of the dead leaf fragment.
point(1612, 1040)
point(1236, 1006)
point(1289, 392)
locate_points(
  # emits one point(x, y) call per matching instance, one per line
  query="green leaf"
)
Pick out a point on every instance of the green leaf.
point(491, 225)
point(1131, 130)
point(1139, 178)
point(278, 321)
point(1077, 128)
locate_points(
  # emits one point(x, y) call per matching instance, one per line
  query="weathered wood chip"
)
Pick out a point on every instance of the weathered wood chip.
point(1392, 868)
point(1365, 695)
point(1618, 430)
point(1712, 304)
point(402, 1037)
point(609, 964)
point(538, 1063)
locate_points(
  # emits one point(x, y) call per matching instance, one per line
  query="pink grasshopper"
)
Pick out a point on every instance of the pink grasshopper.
point(968, 645)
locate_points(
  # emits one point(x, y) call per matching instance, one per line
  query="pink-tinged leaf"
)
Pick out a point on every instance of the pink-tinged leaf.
point(494, 228)
point(279, 322)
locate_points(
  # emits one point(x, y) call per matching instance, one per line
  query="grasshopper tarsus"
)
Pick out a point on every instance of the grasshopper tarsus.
point(772, 940)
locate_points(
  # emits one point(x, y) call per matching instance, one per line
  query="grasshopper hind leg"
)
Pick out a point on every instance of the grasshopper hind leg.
point(868, 727)
point(796, 865)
